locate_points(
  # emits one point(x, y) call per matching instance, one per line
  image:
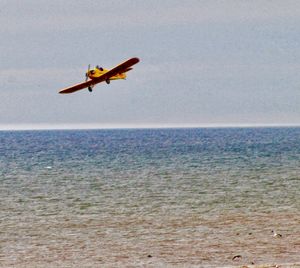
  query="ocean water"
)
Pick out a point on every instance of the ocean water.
point(151, 197)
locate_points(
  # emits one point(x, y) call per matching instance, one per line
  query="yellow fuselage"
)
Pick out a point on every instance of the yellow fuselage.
point(96, 72)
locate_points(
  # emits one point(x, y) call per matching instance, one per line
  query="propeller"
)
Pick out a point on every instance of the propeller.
point(87, 73)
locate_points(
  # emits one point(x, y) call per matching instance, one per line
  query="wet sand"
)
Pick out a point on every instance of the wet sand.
point(189, 241)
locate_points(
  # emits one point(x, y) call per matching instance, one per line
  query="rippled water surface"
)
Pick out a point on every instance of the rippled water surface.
point(149, 197)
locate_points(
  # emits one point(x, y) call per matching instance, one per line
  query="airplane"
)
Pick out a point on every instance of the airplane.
point(98, 75)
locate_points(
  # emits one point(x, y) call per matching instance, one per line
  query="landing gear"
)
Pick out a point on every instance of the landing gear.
point(107, 81)
point(90, 89)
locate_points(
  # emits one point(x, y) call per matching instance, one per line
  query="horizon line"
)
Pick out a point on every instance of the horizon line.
point(16, 127)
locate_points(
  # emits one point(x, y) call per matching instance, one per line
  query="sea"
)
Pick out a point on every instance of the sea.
point(196, 197)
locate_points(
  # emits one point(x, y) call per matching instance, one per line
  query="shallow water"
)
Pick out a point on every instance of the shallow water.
point(149, 197)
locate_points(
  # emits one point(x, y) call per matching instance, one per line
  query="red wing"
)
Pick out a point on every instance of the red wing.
point(121, 68)
point(77, 87)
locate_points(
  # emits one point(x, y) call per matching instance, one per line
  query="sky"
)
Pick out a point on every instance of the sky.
point(202, 63)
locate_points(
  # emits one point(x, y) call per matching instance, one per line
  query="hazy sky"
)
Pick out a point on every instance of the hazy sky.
point(202, 62)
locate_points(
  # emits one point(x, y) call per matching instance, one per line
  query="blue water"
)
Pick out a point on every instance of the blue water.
point(114, 197)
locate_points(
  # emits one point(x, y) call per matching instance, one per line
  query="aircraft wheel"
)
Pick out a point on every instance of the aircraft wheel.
point(90, 89)
point(107, 81)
